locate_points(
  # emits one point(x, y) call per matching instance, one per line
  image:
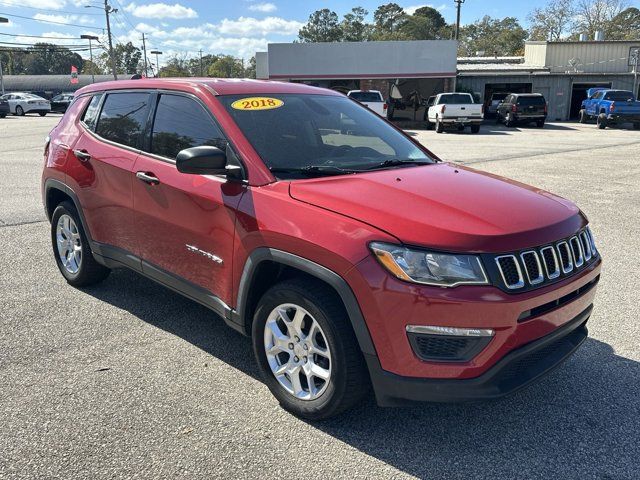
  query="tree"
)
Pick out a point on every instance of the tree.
point(625, 25)
point(176, 66)
point(426, 23)
point(595, 15)
point(127, 57)
point(91, 68)
point(493, 37)
point(551, 22)
point(388, 20)
point(323, 26)
point(50, 59)
point(227, 66)
point(250, 71)
point(354, 27)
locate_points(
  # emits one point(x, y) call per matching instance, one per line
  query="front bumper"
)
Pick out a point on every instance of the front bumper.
point(514, 371)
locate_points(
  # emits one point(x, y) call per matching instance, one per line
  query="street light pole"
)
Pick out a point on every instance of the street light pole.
point(459, 6)
point(636, 61)
point(2, 20)
point(156, 53)
point(108, 10)
point(90, 37)
point(144, 52)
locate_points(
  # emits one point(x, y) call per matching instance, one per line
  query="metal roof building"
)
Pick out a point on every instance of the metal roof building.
point(51, 84)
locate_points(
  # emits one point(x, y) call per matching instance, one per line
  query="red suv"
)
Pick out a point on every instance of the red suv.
point(350, 254)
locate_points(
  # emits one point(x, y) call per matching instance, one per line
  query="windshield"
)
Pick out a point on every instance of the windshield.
point(536, 100)
point(456, 98)
point(620, 96)
point(366, 96)
point(310, 131)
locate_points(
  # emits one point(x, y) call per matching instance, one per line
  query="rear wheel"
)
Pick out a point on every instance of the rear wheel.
point(71, 248)
point(636, 126)
point(306, 350)
point(602, 121)
point(2, 115)
point(475, 128)
point(584, 118)
point(540, 123)
point(509, 122)
point(19, 111)
point(439, 126)
point(42, 114)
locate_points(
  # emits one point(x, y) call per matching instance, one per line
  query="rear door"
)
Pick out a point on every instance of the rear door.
point(101, 174)
point(185, 224)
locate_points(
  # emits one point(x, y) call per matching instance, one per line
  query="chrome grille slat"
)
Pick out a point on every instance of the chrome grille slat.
point(539, 265)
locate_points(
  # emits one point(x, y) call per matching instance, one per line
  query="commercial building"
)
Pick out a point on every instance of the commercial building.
point(561, 71)
point(418, 68)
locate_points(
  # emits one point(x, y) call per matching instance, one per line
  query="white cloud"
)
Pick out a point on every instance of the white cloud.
point(248, 26)
point(48, 4)
point(263, 7)
point(48, 17)
point(161, 10)
point(411, 10)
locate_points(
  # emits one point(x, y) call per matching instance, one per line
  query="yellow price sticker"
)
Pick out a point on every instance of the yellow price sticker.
point(257, 103)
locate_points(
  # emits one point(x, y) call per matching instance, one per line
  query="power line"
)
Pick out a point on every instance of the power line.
point(49, 10)
point(51, 21)
point(36, 36)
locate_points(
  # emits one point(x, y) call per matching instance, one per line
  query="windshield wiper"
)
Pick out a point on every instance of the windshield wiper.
point(396, 162)
point(314, 170)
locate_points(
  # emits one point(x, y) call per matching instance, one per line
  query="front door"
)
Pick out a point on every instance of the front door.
point(185, 224)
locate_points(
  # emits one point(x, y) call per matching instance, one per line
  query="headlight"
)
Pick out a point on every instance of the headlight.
point(430, 268)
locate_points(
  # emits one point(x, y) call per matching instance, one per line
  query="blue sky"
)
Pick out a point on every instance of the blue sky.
point(236, 27)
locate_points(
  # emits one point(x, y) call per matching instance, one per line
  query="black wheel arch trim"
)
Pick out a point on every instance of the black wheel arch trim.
point(53, 184)
point(262, 254)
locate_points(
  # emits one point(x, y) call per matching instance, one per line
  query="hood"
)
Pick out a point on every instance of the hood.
point(446, 207)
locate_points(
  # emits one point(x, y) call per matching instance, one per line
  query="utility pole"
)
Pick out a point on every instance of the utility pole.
point(636, 61)
point(90, 37)
point(459, 6)
point(2, 20)
point(144, 52)
point(107, 11)
point(201, 71)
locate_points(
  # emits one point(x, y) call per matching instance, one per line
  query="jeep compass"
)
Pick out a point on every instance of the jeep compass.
point(354, 258)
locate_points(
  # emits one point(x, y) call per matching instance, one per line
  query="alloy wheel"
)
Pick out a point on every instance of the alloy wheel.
point(297, 351)
point(69, 244)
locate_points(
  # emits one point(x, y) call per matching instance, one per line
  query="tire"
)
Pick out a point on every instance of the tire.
point(475, 128)
point(348, 379)
point(3, 115)
point(601, 121)
point(429, 125)
point(42, 114)
point(439, 126)
point(19, 111)
point(83, 270)
point(509, 122)
point(540, 123)
point(584, 118)
point(636, 126)
point(461, 128)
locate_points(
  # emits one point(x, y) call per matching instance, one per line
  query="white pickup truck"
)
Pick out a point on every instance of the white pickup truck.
point(372, 99)
point(453, 110)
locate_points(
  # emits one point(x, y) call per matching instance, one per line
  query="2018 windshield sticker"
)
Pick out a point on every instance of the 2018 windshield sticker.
point(257, 103)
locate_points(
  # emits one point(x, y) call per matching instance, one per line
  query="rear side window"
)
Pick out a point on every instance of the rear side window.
point(181, 122)
point(526, 101)
point(90, 116)
point(123, 118)
point(619, 96)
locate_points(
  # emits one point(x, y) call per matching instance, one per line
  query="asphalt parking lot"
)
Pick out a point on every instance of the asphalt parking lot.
point(127, 379)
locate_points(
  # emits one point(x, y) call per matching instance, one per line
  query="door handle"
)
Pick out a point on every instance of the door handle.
point(82, 155)
point(148, 178)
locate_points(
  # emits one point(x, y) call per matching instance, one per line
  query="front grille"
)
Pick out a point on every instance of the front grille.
point(538, 266)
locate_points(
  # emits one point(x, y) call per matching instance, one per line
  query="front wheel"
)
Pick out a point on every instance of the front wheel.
point(306, 350)
point(71, 248)
point(584, 118)
point(509, 122)
point(19, 111)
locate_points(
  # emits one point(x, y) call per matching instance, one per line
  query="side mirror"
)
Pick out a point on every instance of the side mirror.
point(204, 160)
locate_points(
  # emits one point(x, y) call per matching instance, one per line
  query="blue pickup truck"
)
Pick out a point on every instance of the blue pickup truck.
point(610, 107)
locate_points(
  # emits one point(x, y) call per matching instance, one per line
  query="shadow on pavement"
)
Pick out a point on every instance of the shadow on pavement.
point(582, 421)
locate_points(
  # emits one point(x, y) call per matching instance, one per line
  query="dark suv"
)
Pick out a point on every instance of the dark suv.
point(522, 108)
point(350, 254)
